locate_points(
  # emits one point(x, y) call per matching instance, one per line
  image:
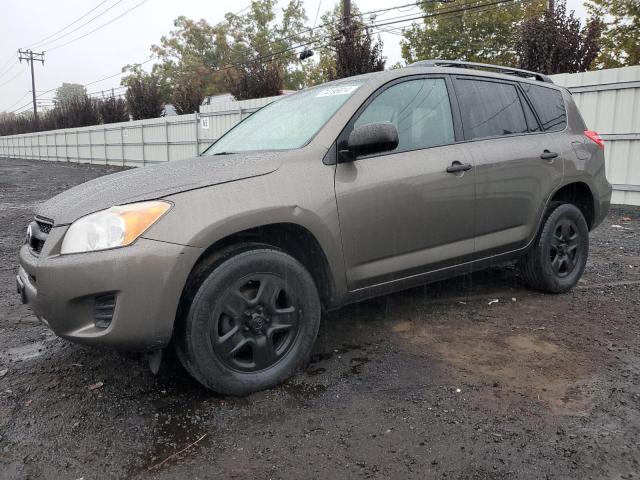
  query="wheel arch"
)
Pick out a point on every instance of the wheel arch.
point(579, 194)
point(291, 238)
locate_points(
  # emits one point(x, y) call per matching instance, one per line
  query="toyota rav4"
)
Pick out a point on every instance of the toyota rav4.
point(340, 192)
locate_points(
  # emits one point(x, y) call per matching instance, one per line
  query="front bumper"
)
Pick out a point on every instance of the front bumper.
point(146, 278)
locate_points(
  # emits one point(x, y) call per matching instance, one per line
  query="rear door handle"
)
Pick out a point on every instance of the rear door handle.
point(547, 155)
point(458, 167)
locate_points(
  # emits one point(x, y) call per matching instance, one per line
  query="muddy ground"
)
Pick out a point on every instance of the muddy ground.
point(435, 382)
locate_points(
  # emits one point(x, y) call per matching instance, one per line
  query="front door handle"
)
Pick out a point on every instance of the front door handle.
point(547, 155)
point(458, 167)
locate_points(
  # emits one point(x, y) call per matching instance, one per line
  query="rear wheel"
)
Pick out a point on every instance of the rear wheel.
point(557, 259)
point(251, 323)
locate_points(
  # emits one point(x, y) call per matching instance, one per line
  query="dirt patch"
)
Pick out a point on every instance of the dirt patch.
point(525, 364)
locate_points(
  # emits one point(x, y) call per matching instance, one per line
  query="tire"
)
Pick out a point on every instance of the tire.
point(557, 258)
point(251, 323)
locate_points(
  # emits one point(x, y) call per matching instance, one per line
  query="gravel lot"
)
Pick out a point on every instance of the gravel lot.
point(435, 382)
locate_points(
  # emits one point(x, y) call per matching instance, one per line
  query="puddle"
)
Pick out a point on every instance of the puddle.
point(180, 432)
point(304, 391)
point(23, 352)
point(356, 365)
point(323, 356)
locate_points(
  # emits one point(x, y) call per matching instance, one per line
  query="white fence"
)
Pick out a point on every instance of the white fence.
point(610, 104)
point(608, 99)
point(138, 143)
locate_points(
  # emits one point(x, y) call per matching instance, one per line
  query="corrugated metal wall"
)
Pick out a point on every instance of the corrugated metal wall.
point(610, 104)
point(138, 143)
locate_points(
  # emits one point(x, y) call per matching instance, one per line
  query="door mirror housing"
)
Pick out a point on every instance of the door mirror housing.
point(369, 139)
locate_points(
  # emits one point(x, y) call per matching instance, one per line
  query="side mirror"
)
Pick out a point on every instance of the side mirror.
point(369, 139)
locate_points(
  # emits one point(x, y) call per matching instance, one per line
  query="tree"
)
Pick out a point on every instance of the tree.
point(67, 92)
point(144, 97)
point(621, 38)
point(192, 56)
point(468, 30)
point(255, 80)
point(112, 110)
point(555, 42)
point(342, 52)
point(188, 94)
point(356, 52)
point(263, 58)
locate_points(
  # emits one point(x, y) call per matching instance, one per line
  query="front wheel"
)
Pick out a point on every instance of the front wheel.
point(558, 256)
point(251, 323)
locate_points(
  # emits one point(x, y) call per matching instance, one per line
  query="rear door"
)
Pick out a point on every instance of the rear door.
point(506, 142)
point(400, 212)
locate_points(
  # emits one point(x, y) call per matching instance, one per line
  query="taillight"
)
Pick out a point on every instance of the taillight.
point(594, 137)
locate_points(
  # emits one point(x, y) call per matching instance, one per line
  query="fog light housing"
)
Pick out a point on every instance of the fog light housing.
point(103, 308)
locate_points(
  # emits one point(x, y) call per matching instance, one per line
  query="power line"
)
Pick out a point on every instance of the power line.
point(11, 67)
point(73, 23)
point(81, 26)
point(15, 62)
point(100, 27)
point(437, 14)
point(85, 85)
point(14, 77)
point(18, 101)
point(273, 56)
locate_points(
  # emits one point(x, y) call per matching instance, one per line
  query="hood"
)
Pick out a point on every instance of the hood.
point(153, 182)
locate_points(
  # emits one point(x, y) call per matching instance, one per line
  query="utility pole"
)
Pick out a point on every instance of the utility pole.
point(30, 57)
point(346, 16)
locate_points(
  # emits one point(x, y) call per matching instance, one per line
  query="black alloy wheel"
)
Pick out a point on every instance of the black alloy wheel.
point(256, 322)
point(563, 249)
point(248, 319)
point(558, 255)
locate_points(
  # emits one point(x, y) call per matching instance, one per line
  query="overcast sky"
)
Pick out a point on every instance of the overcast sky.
point(125, 40)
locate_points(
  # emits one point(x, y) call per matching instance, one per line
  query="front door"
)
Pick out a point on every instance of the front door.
point(401, 213)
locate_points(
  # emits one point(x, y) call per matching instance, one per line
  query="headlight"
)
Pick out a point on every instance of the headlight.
point(114, 227)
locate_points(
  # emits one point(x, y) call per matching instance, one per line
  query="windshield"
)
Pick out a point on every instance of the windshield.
point(287, 123)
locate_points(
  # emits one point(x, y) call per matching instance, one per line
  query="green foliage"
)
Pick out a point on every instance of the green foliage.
point(188, 94)
point(478, 34)
point(75, 111)
point(621, 38)
point(555, 42)
point(67, 92)
point(191, 57)
point(144, 93)
point(261, 49)
point(343, 53)
point(112, 110)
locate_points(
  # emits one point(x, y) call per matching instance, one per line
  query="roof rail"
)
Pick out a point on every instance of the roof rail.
point(483, 66)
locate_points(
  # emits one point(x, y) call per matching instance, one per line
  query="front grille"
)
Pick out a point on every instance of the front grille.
point(40, 229)
point(103, 308)
point(44, 227)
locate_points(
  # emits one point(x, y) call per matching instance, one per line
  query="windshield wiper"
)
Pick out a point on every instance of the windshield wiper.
point(223, 153)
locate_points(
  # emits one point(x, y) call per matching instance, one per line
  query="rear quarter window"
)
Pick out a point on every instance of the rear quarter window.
point(549, 105)
point(490, 109)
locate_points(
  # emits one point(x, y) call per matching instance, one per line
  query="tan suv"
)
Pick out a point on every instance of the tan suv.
point(340, 192)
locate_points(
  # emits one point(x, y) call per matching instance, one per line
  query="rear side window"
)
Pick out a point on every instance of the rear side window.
point(490, 109)
point(419, 109)
point(531, 118)
point(549, 105)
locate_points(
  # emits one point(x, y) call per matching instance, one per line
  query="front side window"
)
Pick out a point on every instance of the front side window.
point(549, 104)
point(287, 123)
point(420, 111)
point(490, 109)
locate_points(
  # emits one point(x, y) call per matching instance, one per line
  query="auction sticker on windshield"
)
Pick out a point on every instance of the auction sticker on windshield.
point(343, 90)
